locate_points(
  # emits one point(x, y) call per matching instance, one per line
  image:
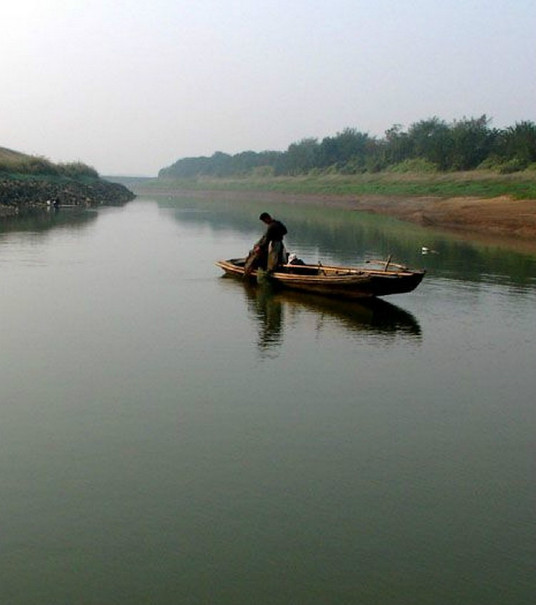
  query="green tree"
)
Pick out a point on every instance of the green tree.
point(518, 143)
point(396, 145)
point(470, 142)
point(348, 146)
point(429, 139)
point(300, 157)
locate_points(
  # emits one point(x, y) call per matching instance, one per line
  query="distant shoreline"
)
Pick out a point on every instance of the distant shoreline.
point(501, 219)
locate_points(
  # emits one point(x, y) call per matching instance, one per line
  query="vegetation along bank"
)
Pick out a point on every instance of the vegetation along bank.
point(30, 182)
point(463, 175)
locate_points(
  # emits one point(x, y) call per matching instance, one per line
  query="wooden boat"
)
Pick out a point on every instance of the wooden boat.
point(335, 281)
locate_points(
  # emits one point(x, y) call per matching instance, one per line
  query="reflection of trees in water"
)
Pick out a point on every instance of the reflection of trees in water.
point(273, 310)
point(350, 237)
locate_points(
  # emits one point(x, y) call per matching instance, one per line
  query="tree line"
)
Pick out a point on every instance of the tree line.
point(428, 145)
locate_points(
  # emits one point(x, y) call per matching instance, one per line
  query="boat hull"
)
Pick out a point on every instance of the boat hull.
point(340, 282)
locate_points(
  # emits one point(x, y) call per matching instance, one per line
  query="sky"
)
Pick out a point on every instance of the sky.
point(131, 86)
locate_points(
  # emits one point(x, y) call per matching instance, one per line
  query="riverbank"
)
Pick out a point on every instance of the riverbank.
point(501, 216)
point(20, 193)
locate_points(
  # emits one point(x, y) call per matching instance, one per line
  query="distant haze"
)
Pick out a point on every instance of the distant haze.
point(129, 86)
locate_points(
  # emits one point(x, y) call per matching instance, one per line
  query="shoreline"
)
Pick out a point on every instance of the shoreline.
point(18, 195)
point(501, 221)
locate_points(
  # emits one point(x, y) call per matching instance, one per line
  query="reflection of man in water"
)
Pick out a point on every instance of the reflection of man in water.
point(270, 248)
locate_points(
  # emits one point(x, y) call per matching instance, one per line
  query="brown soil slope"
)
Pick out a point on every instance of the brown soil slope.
point(501, 216)
point(497, 216)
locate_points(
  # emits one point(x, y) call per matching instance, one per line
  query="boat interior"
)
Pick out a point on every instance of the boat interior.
point(304, 269)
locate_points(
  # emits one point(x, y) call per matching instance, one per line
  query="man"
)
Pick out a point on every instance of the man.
point(269, 251)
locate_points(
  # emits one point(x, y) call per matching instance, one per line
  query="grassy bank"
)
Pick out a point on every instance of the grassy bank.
point(485, 184)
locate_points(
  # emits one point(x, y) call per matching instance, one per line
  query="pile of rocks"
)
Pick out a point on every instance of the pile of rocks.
point(18, 194)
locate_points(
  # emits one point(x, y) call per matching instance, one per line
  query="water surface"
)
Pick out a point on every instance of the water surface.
point(169, 435)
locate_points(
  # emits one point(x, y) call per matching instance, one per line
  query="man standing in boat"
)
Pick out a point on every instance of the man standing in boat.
point(269, 252)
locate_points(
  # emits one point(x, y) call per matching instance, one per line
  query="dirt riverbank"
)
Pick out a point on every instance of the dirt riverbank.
point(498, 218)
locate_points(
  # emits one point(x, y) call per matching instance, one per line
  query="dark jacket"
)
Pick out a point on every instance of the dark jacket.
point(274, 233)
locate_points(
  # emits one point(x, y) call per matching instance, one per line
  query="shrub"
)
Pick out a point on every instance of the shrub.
point(40, 166)
point(29, 165)
point(263, 171)
point(514, 165)
point(76, 170)
point(414, 165)
point(491, 163)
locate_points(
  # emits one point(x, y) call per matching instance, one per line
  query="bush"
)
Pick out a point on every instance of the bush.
point(39, 166)
point(29, 165)
point(491, 163)
point(414, 165)
point(374, 165)
point(514, 165)
point(76, 170)
point(263, 171)
point(352, 166)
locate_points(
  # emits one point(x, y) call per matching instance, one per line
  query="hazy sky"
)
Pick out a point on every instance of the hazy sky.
point(130, 86)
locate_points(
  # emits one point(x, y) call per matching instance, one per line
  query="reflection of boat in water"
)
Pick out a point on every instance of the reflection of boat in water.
point(274, 310)
point(372, 315)
point(269, 315)
point(338, 282)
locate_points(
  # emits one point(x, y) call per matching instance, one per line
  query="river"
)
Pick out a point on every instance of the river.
point(169, 436)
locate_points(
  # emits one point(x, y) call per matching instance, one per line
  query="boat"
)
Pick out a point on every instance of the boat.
point(330, 280)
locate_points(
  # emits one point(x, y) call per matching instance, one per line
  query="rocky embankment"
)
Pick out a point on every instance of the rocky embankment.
point(17, 195)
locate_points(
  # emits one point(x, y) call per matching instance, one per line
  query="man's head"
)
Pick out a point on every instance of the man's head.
point(265, 217)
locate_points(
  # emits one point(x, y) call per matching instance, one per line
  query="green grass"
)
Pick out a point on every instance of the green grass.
point(13, 163)
point(485, 184)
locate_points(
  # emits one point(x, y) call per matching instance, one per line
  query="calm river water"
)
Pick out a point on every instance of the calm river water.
point(169, 436)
